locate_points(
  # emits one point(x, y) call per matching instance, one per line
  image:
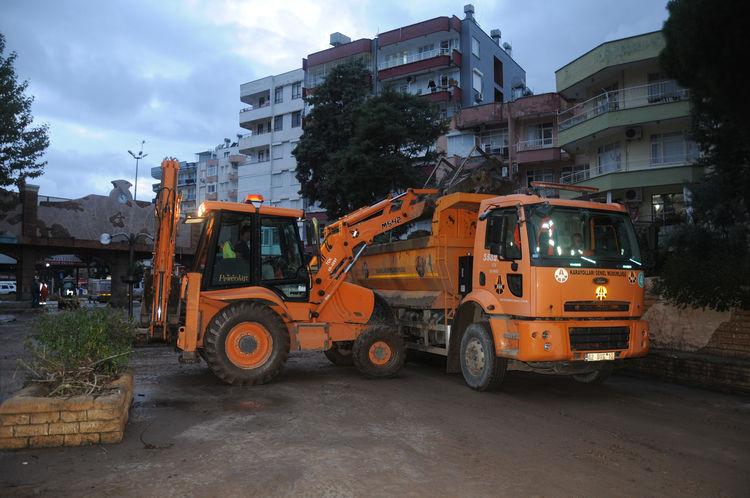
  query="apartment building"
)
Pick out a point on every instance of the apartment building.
point(273, 118)
point(631, 122)
point(521, 135)
point(213, 177)
point(450, 61)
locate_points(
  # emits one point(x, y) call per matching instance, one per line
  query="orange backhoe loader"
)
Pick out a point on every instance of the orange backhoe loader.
point(250, 297)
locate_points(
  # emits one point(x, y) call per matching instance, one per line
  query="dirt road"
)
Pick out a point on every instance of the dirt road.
point(324, 430)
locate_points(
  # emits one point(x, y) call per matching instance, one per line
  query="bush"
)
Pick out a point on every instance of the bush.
point(78, 351)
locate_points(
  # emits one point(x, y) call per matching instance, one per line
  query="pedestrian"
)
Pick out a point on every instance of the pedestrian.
point(35, 288)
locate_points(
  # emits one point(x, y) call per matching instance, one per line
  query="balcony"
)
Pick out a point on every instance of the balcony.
point(539, 150)
point(419, 30)
point(212, 196)
point(625, 107)
point(632, 164)
point(419, 63)
point(254, 113)
point(236, 159)
point(443, 94)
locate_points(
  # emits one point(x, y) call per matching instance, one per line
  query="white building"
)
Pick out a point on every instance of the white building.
point(213, 177)
point(274, 120)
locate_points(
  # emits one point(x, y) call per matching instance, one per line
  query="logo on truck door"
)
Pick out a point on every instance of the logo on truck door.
point(561, 275)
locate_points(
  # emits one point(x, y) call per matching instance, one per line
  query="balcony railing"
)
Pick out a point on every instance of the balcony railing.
point(632, 164)
point(429, 54)
point(254, 107)
point(536, 144)
point(626, 98)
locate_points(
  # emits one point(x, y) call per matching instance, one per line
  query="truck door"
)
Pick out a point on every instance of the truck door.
point(281, 264)
point(501, 262)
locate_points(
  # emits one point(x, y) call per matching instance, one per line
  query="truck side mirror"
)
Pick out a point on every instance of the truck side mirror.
point(495, 236)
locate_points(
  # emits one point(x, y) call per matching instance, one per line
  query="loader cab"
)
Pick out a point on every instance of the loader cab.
point(252, 247)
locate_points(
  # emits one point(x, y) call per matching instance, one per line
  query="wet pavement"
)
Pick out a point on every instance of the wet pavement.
point(321, 430)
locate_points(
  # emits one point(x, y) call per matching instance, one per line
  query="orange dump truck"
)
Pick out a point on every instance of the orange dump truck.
point(516, 281)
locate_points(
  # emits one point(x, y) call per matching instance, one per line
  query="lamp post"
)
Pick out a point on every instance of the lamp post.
point(129, 279)
point(137, 158)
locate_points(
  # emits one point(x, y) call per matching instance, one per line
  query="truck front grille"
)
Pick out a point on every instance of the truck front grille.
point(597, 306)
point(598, 338)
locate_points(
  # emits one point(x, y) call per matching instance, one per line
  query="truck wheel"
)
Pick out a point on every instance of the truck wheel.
point(597, 376)
point(340, 354)
point(482, 369)
point(379, 352)
point(246, 343)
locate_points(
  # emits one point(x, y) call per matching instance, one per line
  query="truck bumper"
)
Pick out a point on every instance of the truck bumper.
point(569, 340)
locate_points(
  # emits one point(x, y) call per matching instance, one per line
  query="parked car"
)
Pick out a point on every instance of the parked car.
point(7, 288)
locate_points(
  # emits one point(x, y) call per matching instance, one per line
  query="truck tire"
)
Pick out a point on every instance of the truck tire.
point(340, 354)
point(379, 352)
point(481, 368)
point(597, 376)
point(246, 344)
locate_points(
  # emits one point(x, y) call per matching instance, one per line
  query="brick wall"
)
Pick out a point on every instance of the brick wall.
point(28, 420)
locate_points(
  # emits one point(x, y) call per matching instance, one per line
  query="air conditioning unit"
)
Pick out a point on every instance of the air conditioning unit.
point(634, 133)
point(634, 195)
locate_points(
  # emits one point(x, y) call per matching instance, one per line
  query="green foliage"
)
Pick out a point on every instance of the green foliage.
point(708, 262)
point(77, 351)
point(703, 47)
point(21, 146)
point(357, 148)
point(707, 268)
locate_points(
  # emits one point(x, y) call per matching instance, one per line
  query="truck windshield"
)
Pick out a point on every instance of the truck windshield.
point(581, 237)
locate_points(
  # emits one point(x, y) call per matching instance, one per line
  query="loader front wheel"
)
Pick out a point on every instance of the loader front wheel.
point(246, 343)
point(379, 352)
point(481, 368)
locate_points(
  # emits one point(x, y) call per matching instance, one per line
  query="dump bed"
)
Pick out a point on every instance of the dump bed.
point(425, 272)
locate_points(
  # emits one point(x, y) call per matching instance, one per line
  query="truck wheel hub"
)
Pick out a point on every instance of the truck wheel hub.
point(474, 357)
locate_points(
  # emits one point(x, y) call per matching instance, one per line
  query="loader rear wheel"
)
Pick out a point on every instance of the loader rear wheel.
point(379, 352)
point(246, 343)
point(481, 368)
point(340, 354)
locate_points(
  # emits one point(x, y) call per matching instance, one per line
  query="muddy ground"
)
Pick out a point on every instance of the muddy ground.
point(320, 430)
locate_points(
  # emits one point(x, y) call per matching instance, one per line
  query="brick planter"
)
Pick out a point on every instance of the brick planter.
point(28, 420)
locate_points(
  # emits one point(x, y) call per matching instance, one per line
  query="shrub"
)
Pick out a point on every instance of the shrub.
point(78, 351)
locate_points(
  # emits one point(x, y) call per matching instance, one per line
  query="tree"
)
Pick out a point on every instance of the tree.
point(21, 145)
point(357, 148)
point(709, 264)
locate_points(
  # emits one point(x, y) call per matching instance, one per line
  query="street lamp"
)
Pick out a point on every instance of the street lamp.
point(137, 158)
point(106, 238)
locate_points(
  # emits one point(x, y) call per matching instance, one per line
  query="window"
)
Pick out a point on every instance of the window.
point(540, 175)
point(498, 69)
point(233, 251)
point(296, 119)
point(297, 90)
point(278, 123)
point(512, 236)
point(277, 179)
point(672, 148)
point(226, 154)
point(609, 158)
point(396, 59)
point(211, 188)
point(260, 128)
point(661, 89)
point(668, 209)
point(608, 100)
point(278, 151)
point(278, 95)
point(475, 46)
point(574, 174)
point(538, 136)
point(477, 81)
point(281, 257)
point(425, 51)
point(261, 156)
point(211, 171)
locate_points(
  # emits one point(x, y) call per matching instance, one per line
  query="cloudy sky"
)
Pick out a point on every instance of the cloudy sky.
point(107, 74)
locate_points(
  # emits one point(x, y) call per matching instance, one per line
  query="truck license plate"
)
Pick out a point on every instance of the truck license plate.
point(599, 356)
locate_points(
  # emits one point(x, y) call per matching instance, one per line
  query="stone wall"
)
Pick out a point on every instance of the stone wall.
point(28, 420)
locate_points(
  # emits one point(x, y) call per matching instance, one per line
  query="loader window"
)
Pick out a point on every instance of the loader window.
point(232, 251)
point(281, 257)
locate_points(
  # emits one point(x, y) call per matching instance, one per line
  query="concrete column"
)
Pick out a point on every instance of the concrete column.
point(30, 203)
point(119, 269)
point(25, 269)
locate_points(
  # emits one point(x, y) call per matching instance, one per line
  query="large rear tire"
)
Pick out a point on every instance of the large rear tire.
point(379, 352)
point(481, 368)
point(246, 344)
point(340, 354)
